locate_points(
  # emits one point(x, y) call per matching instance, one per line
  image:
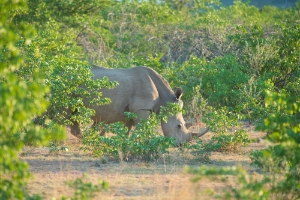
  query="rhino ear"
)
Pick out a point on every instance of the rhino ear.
point(178, 93)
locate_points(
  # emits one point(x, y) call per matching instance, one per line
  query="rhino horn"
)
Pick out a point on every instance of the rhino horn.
point(201, 133)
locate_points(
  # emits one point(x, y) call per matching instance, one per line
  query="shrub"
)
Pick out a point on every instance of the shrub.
point(142, 143)
point(62, 62)
point(21, 101)
point(85, 190)
point(228, 136)
point(220, 81)
point(281, 159)
point(226, 142)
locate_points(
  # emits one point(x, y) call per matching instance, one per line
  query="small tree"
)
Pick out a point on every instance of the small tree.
point(21, 100)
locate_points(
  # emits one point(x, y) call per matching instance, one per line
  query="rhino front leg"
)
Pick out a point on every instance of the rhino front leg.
point(141, 115)
point(129, 124)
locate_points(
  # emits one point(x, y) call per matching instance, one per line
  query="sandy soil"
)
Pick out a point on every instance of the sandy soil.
point(162, 179)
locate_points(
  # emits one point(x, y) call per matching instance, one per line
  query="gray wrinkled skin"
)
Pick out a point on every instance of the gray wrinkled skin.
point(141, 90)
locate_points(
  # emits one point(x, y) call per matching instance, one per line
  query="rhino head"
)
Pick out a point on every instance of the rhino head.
point(176, 127)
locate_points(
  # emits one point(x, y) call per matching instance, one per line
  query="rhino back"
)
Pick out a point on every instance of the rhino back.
point(135, 91)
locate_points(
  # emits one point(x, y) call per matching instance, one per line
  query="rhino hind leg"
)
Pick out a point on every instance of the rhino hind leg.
point(102, 132)
point(75, 130)
point(141, 114)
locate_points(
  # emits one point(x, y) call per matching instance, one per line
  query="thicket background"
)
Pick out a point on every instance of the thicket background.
point(229, 60)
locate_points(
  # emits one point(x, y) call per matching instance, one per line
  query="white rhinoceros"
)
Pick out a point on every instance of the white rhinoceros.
point(141, 90)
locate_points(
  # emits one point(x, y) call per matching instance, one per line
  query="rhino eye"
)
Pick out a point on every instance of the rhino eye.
point(179, 126)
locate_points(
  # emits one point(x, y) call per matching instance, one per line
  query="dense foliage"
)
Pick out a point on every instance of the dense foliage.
point(230, 62)
point(281, 159)
point(231, 55)
point(143, 143)
point(22, 99)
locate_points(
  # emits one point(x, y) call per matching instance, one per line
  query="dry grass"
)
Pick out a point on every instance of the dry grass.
point(163, 179)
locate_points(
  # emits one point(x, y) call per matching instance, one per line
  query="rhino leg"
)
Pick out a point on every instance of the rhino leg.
point(102, 132)
point(75, 130)
point(141, 115)
point(129, 124)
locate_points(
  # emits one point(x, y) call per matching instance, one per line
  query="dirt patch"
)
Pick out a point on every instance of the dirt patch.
point(163, 179)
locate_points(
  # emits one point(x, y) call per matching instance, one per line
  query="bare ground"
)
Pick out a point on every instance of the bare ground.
point(162, 179)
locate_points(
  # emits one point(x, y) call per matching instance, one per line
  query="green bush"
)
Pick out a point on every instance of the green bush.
point(222, 82)
point(281, 159)
point(228, 134)
point(226, 142)
point(222, 79)
point(22, 99)
point(62, 62)
point(85, 190)
point(142, 143)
